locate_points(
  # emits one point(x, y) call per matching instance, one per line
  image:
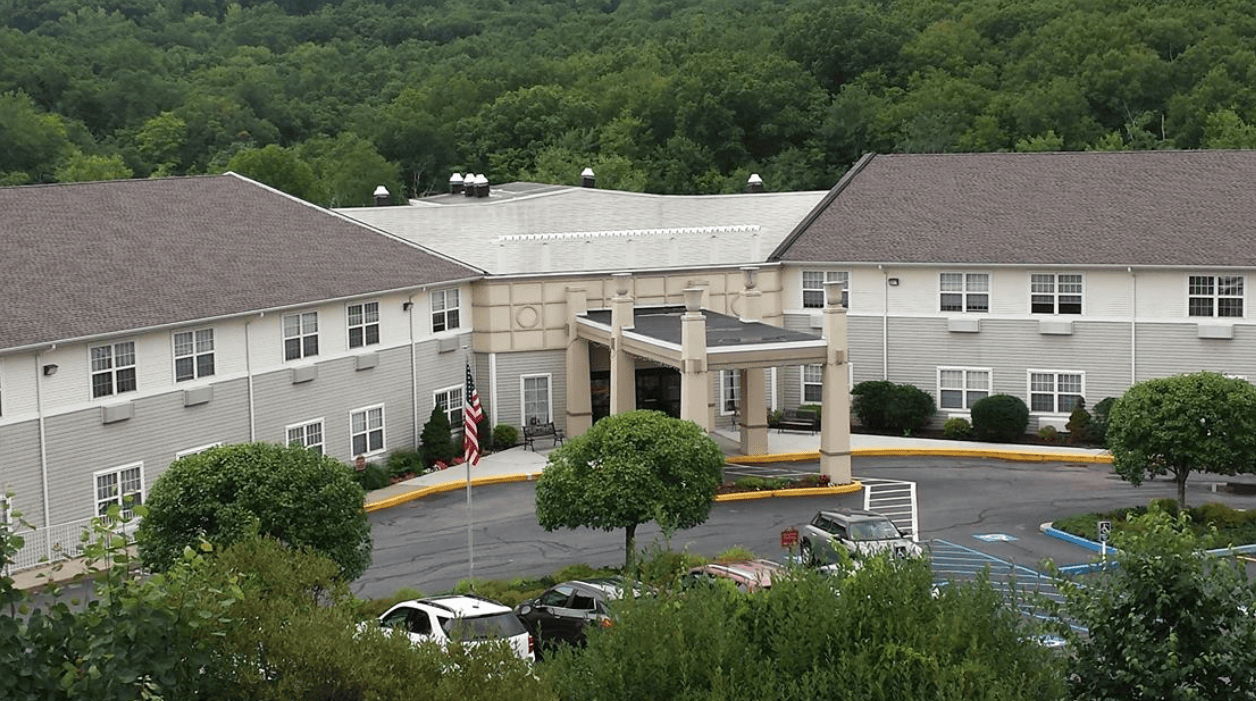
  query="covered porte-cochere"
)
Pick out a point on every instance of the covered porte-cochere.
point(699, 344)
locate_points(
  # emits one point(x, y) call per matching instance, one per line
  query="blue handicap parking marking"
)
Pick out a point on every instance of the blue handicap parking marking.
point(994, 537)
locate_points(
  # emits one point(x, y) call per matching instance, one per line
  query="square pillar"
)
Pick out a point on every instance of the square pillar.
point(695, 382)
point(623, 365)
point(754, 412)
point(579, 398)
point(835, 407)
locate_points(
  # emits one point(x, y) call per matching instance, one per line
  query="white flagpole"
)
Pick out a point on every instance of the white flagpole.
point(466, 465)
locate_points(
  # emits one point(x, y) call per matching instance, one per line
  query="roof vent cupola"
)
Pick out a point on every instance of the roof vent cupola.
point(455, 184)
point(755, 183)
point(382, 198)
point(587, 179)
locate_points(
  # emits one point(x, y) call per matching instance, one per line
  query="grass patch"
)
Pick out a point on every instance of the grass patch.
point(1218, 525)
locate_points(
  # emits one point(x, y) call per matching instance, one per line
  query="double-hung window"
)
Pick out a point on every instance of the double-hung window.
point(1052, 293)
point(450, 401)
point(113, 369)
point(444, 310)
point(366, 430)
point(536, 399)
point(193, 354)
point(1215, 295)
point(730, 391)
point(1052, 392)
point(308, 435)
point(123, 486)
point(960, 388)
point(363, 324)
point(964, 292)
point(300, 335)
point(813, 287)
point(812, 384)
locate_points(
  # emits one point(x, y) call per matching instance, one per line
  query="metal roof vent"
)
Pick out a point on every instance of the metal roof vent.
point(755, 183)
point(587, 179)
point(455, 184)
point(382, 198)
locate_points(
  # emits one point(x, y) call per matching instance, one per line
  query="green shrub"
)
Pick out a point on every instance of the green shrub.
point(736, 553)
point(1099, 425)
point(1049, 434)
point(1220, 516)
point(1000, 418)
point(813, 408)
point(505, 436)
point(774, 418)
point(870, 400)
point(372, 477)
point(1080, 425)
point(752, 483)
point(436, 442)
point(405, 461)
point(957, 428)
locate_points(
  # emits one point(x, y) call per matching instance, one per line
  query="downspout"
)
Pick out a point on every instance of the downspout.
point(885, 323)
point(43, 445)
point(414, 378)
point(492, 378)
point(248, 373)
point(1133, 325)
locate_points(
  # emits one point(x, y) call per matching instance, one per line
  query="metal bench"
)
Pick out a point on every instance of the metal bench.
point(794, 420)
point(531, 432)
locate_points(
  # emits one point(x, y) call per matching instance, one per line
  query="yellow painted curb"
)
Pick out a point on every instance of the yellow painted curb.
point(993, 453)
point(443, 487)
point(799, 492)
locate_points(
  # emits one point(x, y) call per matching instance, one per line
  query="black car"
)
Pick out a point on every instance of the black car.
point(565, 611)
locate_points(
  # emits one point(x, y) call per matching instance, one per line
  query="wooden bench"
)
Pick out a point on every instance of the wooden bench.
point(794, 420)
point(531, 432)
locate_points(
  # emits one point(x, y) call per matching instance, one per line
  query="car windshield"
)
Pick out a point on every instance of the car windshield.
point(491, 627)
point(873, 530)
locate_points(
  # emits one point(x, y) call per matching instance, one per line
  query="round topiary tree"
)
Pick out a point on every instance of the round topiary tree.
point(436, 443)
point(909, 408)
point(290, 493)
point(1000, 418)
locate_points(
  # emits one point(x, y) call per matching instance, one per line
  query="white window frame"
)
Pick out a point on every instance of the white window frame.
point(118, 496)
point(304, 427)
point(367, 323)
point(442, 398)
point(1220, 288)
point(114, 370)
point(368, 430)
point(196, 352)
point(196, 450)
point(1060, 290)
point(730, 392)
point(306, 330)
point(969, 394)
point(805, 383)
point(548, 416)
point(813, 287)
point(1055, 390)
point(446, 310)
point(968, 287)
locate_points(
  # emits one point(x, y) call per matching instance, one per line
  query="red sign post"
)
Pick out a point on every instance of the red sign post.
point(789, 538)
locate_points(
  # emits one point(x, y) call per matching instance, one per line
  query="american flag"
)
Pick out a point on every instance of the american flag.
point(471, 415)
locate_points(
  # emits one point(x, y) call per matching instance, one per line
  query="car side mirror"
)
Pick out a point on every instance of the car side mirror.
point(525, 609)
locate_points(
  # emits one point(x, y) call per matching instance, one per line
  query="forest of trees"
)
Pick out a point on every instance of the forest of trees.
point(328, 99)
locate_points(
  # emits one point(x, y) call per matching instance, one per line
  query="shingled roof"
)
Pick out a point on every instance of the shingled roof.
point(1147, 208)
point(88, 259)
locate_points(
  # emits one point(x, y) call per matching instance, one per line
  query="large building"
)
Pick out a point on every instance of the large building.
point(148, 319)
point(1054, 277)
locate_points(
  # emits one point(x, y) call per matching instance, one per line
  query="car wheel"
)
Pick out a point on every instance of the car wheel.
point(806, 555)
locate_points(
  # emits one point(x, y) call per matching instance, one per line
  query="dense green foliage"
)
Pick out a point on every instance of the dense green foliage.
point(329, 99)
point(957, 428)
point(630, 469)
point(878, 634)
point(1000, 418)
point(1216, 525)
point(225, 494)
point(436, 442)
point(505, 436)
point(883, 405)
point(1203, 421)
point(1167, 623)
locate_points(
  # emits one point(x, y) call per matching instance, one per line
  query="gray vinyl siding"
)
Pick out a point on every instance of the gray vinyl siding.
point(511, 366)
point(79, 444)
point(1233, 356)
point(436, 370)
point(19, 469)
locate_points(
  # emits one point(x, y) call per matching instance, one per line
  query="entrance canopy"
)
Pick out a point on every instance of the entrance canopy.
point(731, 344)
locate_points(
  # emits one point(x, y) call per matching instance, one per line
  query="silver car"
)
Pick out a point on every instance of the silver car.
point(860, 533)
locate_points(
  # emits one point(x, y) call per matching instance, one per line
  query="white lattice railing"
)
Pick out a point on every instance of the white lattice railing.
point(47, 545)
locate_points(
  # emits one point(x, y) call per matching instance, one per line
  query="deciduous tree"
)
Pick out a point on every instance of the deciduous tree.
point(630, 469)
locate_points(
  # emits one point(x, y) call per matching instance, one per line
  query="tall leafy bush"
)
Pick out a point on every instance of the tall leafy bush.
point(1000, 418)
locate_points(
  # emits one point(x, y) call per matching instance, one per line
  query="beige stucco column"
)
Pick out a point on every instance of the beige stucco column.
point(754, 412)
point(623, 366)
point(579, 400)
point(835, 411)
point(695, 383)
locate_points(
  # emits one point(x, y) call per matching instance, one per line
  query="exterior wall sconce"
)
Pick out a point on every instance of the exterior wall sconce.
point(893, 282)
point(405, 306)
point(50, 369)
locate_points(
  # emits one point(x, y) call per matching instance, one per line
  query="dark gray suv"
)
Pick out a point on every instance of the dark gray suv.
point(859, 532)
